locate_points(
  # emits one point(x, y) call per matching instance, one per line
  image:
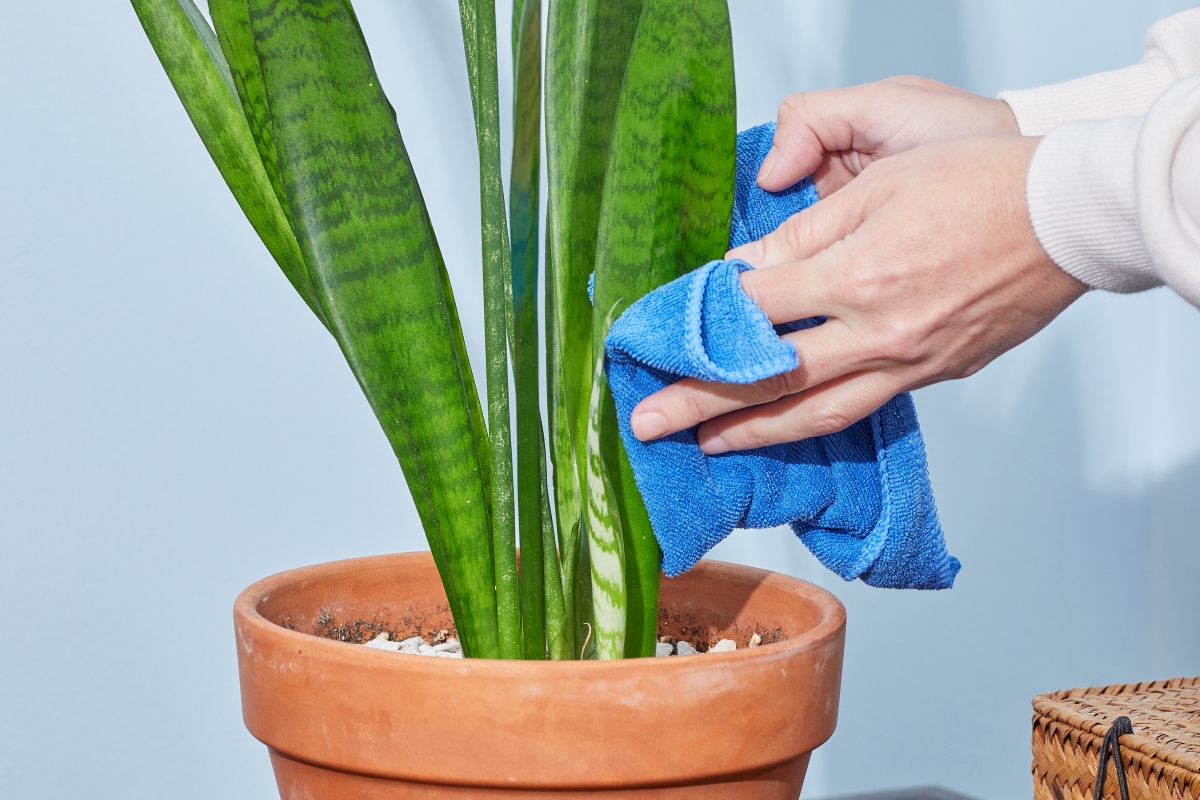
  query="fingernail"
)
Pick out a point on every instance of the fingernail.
point(648, 425)
point(750, 253)
point(715, 446)
point(768, 164)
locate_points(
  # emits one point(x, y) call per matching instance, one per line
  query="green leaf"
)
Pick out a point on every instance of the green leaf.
point(231, 18)
point(192, 59)
point(478, 19)
point(668, 197)
point(569, 518)
point(363, 228)
point(559, 644)
point(606, 543)
point(588, 45)
point(531, 443)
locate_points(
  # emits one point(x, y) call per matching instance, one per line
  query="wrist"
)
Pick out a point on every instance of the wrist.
point(1004, 121)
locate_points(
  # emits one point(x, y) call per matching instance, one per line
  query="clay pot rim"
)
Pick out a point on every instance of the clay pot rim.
point(247, 617)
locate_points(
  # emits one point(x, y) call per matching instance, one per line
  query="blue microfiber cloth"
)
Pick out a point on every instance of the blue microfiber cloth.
point(860, 499)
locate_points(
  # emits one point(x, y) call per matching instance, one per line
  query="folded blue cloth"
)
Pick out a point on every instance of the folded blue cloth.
point(859, 499)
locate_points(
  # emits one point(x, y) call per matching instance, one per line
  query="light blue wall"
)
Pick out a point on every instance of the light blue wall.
point(174, 425)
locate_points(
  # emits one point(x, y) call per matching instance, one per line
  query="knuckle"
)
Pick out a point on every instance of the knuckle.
point(911, 80)
point(858, 283)
point(791, 236)
point(777, 386)
point(792, 106)
point(828, 419)
point(902, 343)
point(694, 411)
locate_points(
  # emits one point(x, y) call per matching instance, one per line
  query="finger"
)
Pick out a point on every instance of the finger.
point(828, 352)
point(834, 173)
point(810, 125)
point(808, 232)
point(828, 408)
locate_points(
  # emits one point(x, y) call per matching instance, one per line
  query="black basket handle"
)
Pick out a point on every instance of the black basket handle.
point(1112, 743)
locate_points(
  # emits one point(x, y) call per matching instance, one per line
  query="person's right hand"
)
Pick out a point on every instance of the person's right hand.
point(835, 133)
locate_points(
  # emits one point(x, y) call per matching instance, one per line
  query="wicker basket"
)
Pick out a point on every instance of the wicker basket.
point(1161, 756)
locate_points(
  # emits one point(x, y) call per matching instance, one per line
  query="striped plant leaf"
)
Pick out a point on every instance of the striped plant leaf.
point(606, 542)
point(667, 201)
point(559, 645)
point(519, 623)
point(568, 502)
point(366, 237)
point(231, 18)
point(588, 44)
point(523, 219)
point(192, 59)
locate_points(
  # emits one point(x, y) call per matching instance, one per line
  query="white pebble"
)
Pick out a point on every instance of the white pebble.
point(452, 646)
point(382, 642)
point(755, 640)
point(723, 646)
point(414, 641)
point(663, 649)
point(455, 654)
point(685, 649)
point(425, 650)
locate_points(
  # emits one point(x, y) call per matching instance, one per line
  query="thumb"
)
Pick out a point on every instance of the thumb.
point(812, 125)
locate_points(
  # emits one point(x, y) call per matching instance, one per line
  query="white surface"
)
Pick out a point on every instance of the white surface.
point(174, 425)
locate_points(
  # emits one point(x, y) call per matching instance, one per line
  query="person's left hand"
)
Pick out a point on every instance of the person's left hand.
point(927, 267)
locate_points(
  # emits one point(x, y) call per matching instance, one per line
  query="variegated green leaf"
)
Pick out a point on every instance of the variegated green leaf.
point(366, 237)
point(192, 59)
point(606, 544)
point(588, 45)
point(668, 197)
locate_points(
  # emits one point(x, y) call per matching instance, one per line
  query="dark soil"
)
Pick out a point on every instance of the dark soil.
point(673, 626)
point(434, 628)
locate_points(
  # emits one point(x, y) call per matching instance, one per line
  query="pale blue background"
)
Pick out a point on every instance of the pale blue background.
point(175, 425)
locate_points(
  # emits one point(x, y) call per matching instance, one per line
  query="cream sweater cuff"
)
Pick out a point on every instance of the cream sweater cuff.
point(1082, 196)
point(1127, 92)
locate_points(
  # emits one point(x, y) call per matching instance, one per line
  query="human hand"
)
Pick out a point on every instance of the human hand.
point(927, 267)
point(835, 134)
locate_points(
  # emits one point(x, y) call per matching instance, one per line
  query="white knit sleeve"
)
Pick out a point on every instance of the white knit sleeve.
point(1171, 52)
point(1168, 187)
point(1116, 203)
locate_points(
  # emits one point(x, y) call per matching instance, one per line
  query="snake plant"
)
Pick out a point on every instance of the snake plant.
point(640, 139)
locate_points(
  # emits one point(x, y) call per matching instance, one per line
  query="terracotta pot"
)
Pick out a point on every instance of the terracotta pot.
point(349, 722)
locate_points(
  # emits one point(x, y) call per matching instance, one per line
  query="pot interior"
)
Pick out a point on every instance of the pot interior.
point(711, 602)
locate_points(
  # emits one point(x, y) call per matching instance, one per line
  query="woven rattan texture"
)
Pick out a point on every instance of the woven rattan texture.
point(1161, 756)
